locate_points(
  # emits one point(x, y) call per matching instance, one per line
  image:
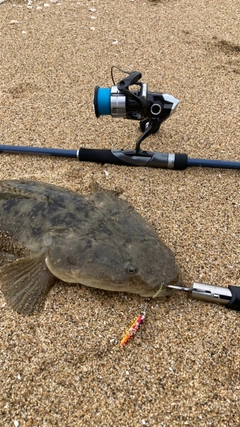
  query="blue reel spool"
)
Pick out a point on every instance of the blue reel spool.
point(102, 101)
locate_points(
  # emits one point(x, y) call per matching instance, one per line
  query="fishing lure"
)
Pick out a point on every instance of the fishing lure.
point(139, 320)
point(134, 327)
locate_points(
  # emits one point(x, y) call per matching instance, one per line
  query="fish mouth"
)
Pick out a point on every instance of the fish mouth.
point(178, 279)
point(161, 289)
point(158, 291)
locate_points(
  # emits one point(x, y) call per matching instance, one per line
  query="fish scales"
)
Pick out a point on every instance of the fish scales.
point(97, 240)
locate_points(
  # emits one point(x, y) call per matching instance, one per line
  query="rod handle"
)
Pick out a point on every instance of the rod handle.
point(131, 158)
point(99, 156)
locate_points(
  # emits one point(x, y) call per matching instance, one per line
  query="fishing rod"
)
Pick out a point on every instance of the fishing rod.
point(151, 109)
point(124, 158)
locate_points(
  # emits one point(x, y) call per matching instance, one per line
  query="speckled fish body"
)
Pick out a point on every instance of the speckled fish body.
point(48, 233)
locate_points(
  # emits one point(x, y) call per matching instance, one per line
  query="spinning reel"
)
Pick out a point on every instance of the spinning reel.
point(150, 108)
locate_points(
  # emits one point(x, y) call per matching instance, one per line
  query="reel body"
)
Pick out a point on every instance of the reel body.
point(150, 108)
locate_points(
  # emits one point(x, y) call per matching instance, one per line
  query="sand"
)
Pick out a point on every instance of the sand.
point(64, 366)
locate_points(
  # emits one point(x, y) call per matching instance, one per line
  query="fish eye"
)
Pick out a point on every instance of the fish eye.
point(131, 269)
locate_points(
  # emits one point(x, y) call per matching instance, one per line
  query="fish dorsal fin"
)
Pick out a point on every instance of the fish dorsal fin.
point(26, 282)
point(96, 188)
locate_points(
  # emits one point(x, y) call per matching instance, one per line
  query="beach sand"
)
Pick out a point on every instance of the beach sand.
point(64, 366)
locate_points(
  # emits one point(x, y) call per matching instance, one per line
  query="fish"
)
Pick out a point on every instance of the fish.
point(99, 240)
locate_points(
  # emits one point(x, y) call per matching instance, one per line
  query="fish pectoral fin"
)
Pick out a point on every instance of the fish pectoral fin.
point(26, 282)
point(5, 258)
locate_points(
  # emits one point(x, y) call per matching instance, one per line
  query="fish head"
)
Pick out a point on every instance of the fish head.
point(136, 263)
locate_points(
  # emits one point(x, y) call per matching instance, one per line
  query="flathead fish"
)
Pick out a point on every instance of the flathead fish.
point(49, 233)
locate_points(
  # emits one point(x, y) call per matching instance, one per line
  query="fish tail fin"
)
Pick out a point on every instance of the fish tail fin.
point(26, 282)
